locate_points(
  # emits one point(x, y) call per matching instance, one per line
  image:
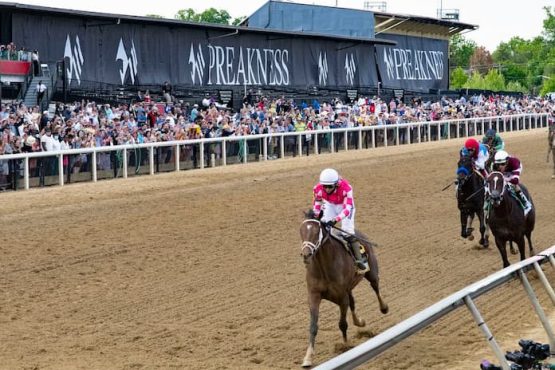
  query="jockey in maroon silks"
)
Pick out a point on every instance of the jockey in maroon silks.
point(511, 168)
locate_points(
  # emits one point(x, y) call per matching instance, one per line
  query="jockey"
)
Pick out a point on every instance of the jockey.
point(332, 203)
point(493, 140)
point(479, 154)
point(511, 169)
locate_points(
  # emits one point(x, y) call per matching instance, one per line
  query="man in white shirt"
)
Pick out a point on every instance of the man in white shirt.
point(41, 89)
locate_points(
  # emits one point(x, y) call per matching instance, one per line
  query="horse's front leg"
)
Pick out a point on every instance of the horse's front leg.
point(464, 219)
point(483, 230)
point(522, 248)
point(314, 300)
point(501, 246)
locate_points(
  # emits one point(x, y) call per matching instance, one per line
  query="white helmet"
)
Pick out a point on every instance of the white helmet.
point(329, 176)
point(501, 157)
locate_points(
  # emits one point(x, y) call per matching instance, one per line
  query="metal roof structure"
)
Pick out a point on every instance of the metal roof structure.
point(174, 22)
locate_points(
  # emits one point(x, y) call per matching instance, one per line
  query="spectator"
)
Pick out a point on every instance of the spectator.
point(41, 90)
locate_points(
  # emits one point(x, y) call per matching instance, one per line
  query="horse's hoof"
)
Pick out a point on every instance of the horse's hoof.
point(471, 237)
point(307, 363)
point(384, 309)
point(361, 323)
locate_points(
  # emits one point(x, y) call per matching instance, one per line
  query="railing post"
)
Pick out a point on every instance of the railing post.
point(544, 281)
point(282, 147)
point(151, 159)
point(94, 170)
point(397, 136)
point(487, 333)
point(360, 138)
point(224, 152)
point(409, 128)
point(373, 137)
point(345, 139)
point(265, 148)
point(245, 150)
point(201, 154)
point(177, 155)
point(125, 162)
point(449, 130)
point(61, 169)
point(332, 143)
point(316, 150)
point(26, 173)
point(300, 145)
point(385, 135)
point(539, 310)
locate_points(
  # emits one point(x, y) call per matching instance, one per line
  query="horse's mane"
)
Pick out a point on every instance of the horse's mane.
point(310, 215)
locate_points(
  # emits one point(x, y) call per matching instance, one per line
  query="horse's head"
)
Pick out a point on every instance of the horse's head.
point(495, 187)
point(464, 169)
point(312, 235)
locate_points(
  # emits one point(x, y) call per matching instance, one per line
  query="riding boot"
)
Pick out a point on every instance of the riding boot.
point(525, 202)
point(361, 263)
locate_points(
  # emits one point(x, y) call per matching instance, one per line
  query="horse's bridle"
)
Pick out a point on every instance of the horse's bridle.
point(311, 246)
point(488, 190)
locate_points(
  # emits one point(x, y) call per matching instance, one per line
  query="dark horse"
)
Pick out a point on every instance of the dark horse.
point(470, 199)
point(506, 217)
point(331, 274)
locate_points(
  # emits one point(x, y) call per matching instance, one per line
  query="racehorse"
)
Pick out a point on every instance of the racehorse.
point(331, 274)
point(470, 199)
point(506, 217)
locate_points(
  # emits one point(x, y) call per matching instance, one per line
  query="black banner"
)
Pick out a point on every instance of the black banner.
point(415, 63)
point(125, 53)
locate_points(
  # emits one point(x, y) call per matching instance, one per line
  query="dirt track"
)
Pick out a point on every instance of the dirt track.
point(201, 269)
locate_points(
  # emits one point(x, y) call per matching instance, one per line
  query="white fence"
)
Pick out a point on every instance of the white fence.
point(92, 164)
point(378, 344)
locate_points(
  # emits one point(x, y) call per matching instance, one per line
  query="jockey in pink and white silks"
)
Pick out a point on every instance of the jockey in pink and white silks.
point(333, 203)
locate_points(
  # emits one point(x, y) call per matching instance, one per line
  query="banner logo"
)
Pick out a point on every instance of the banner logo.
point(350, 68)
point(196, 60)
point(323, 69)
point(230, 65)
point(129, 61)
point(76, 60)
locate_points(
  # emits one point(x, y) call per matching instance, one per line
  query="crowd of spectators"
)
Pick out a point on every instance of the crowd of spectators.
point(88, 124)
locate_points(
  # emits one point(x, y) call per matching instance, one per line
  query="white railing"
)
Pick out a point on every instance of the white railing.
point(378, 344)
point(355, 138)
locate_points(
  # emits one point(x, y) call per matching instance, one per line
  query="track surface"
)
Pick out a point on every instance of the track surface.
point(201, 269)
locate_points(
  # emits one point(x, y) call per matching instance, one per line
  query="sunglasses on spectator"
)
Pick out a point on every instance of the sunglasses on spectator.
point(329, 186)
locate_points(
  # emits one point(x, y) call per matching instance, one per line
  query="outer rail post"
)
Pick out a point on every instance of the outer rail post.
point(544, 281)
point(26, 175)
point(94, 171)
point(539, 310)
point(151, 159)
point(487, 333)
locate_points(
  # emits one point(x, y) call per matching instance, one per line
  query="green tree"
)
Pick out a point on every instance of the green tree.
point(458, 78)
point(549, 24)
point(549, 85)
point(516, 86)
point(476, 81)
point(494, 81)
point(238, 20)
point(210, 15)
point(460, 51)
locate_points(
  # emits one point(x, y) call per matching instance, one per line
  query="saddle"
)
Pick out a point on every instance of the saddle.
point(340, 237)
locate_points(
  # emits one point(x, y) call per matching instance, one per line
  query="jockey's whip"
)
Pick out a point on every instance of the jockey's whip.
point(371, 244)
point(476, 192)
point(448, 186)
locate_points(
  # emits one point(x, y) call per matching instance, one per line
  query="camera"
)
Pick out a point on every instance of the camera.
point(537, 350)
point(523, 359)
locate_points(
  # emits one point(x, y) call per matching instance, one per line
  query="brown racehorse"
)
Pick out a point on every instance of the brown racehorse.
point(506, 218)
point(331, 274)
